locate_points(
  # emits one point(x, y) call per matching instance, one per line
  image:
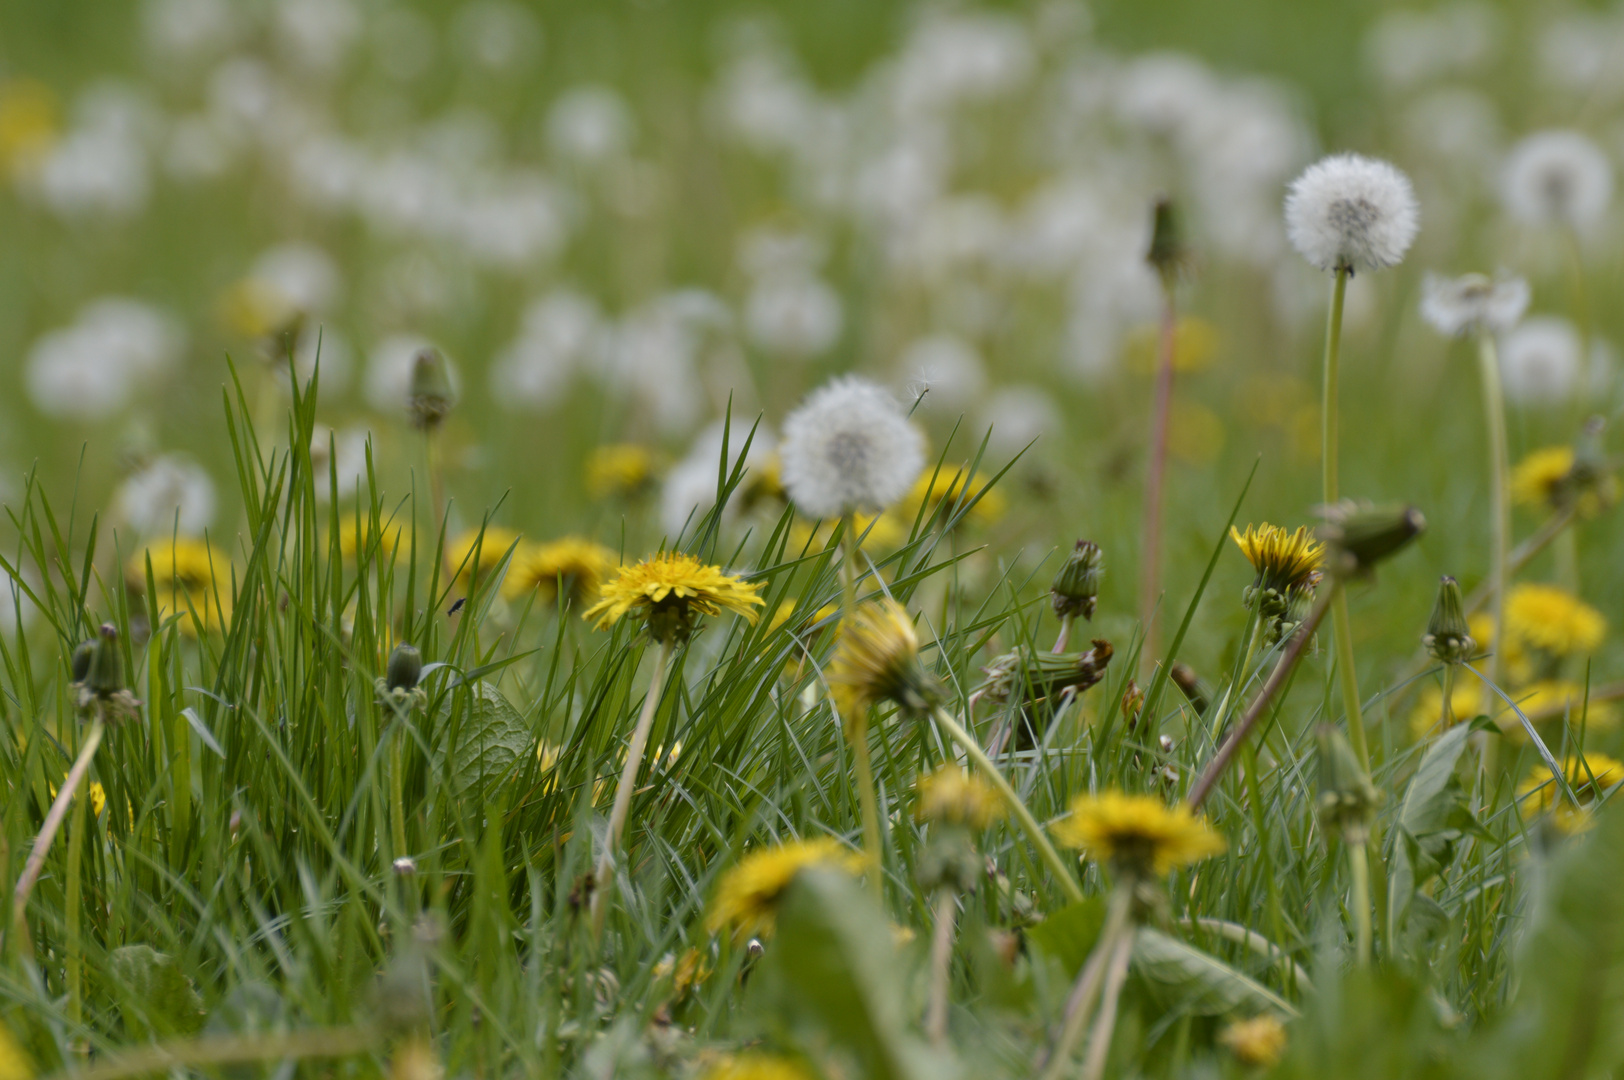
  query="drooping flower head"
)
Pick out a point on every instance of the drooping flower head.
point(1557, 178)
point(576, 562)
point(192, 577)
point(955, 797)
point(1138, 835)
point(1352, 212)
point(877, 659)
point(849, 447)
point(747, 898)
point(669, 590)
point(1590, 777)
point(1465, 305)
point(1553, 620)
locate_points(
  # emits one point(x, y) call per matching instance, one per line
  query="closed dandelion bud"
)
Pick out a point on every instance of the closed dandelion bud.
point(1359, 536)
point(1077, 585)
point(104, 675)
point(1195, 689)
point(405, 668)
point(430, 398)
point(1168, 254)
point(1347, 798)
point(1448, 639)
point(80, 664)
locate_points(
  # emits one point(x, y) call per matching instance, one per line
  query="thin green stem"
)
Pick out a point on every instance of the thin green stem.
point(1023, 816)
point(1099, 1043)
point(75, 962)
point(873, 844)
point(1221, 714)
point(1360, 901)
point(1494, 415)
point(397, 789)
point(1080, 1002)
point(941, 965)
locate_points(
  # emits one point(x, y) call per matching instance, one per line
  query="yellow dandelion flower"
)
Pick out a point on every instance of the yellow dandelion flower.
point(1552, 699)
point(1258, 1042)
point(877, 532)
point(98, 797)
point(685, 971)
point(1547, 477)
point(668, 590)
point(620, 471)
point(253, 308)
point(756, 1066)
point(1590, 777)
point(491, 544)
point(1138, 834)
point(29, 124)
point(579, 563)
point(955, 797)
point(1553, 620)
point(952, 486)
point(1286, 562)
point(190, 576)
point(877, 659)
point(747, 898)
point(354, 538)
point(14, 1062)
point(1195, 342)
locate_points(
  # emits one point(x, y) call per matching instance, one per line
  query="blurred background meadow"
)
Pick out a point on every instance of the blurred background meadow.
point(622, 222)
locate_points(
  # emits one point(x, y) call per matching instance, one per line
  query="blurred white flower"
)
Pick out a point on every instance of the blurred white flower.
point(653, 354)
point(849, 447)
point(793, 314)
point(560, 333)
point(770, 250)
point(1456, 306)
point(690, 487)
point(317, 34)
point(170, 494)
point(302, 275)
point(945, 368)
point(1163, 93)
point(1016, 415)
point(1352, 211)
point(1454, 125)
point(1578, 53)
point(1557, 178)
point(1406, 47)
point(199, 148)
point(590, 124)
point(497, 35)
point(961, 56)
point(389, 371)
point(328, 173)
point(1539, 361)
point(335, 355)
point(96, 170)
point(89, 369)
point(185, 30)
point(514, 222)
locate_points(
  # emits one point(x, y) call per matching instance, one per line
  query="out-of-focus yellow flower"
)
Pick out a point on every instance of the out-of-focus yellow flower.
point(1271, 400)
point(1465, 702)
point(254, 308)
point(1195, 343)
point(1551, 699)
point(762, 483)
point(756, 1066)
point(668, 590)
point(29, 125)
point(876, 532)
point(1590, 777)
point(491, 546)
point(1136, 834)
point(685, 972)
point(1553, 620)
point(955, 797)
point(1195, 434)
point(579, 563)
point(14, 1061)
point(748, 896)
point(1546, 478)
point(190, 576)
point(1258, 1042)
point(620, 471)
point(951, 486)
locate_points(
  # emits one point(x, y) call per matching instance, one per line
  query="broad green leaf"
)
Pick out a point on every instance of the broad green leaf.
point(158, 993)
point(1070, 934)
point(1183, 977)
point(483, 747)
point(1432, 793)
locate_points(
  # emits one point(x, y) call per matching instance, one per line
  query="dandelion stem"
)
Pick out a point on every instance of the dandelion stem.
point(1360, 864)
point(1494, 415)
point(1099, 1043)
point(1064, 635)
point(1221, 713)
point(1447, 719)
point(1155, 477)
point(862, 762)
point(1023, 816)
point(436, 481)
point(397, 785)
point(1080, 1002)
point(53, 822)
point(623, 793)
point(941, 965)
point(1277, 679)
point(75, 945)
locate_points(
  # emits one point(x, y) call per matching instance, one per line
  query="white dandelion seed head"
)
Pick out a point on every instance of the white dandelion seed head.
point(171, 493)
point(1557, 178)
point(590, 124)
point(849, 447)
point(793, 314)
point(561, 332)
point(1456, 306)
point(945, 368)
point(301, 275)
point(1539, 361)
point(1016, 415)
point(1348, 210)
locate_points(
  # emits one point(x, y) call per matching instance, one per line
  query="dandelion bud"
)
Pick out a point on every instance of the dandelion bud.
point(430, 398)
point(1358, 536)
point(1347, 799)
point(405, 668)
point(104, 675)
point(80, 664)
point(1448, 639)
point(1077, 586)
point(1168, 254)
point(1196, 691)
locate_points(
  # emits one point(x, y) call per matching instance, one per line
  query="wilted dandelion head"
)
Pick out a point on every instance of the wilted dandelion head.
point(747, 899)
point(668, 590)
point(1463, 305)
point(1553, 620)
point(1257, 1042)
point(877, 659)
point(580, 565)
point(1138, 835)
point(1590, 777)
point(849, 447)
point(1557, 178)
point(955, 797)
point(1351, 212)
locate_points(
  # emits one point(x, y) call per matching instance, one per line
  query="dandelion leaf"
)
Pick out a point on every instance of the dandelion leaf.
point(483, 746)
point(1182, 977)
point(158, 995)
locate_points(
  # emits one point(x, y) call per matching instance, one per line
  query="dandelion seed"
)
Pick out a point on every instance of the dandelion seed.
point(1459, 306)
point(1351, 211)
point(849, 447)
point(1138, 835)
point(1557, 178)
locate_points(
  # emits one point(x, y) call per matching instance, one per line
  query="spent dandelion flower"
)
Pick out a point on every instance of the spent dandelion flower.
point(849, 447)
point(1138, 835)
point(668, 591)
point(1352, 212)
point(1557, 178)
point(1590, 777)
point(1456, 307)
point(620, 471)
point(877, 659)
point(577, 563)
point(748, 896)
point(1553, 620)
point(955, 797)
point(1258, 1042)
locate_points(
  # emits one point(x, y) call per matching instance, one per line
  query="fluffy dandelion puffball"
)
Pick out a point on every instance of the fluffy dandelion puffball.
point(669, 590)
point(747, 898)
point(1540, 361)
point(1353, 212)
point(1463, 305)
point(1557, 178)
point(849, 447)
point(1137, 834)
